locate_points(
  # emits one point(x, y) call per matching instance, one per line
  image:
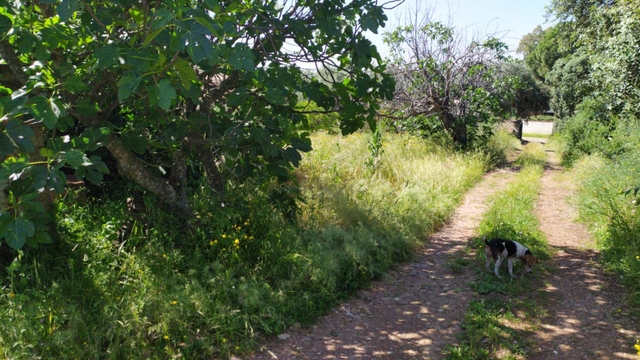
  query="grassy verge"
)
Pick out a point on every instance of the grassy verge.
point(541, 136)
point(490, 326)
point(120, 285)
point(608, 199)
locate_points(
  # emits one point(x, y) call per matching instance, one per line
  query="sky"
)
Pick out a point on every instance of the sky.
point(511, 19)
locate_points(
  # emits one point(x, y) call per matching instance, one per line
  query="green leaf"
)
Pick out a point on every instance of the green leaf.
point(20, 135)
point(242, 58)
point(17, 232)
point(44, 152)
point(369, 23)
point(5, 24)
point(107, 56)
point(74, 84)
point(162, 18)
point(45, 110)
point(302, 144)
point(75, 158)
point(166, 93)
point(95, 177)
point(42, 53)
point(152, 36)
point(197, 43)
point(43, 237)
point(186, 72)
point(127, 85)
point(66, 9)
point(87, 107)
point(98, 164)
point(134, 142)
point(56, 180)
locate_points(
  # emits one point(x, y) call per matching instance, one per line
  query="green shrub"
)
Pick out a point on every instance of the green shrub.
point(594, 130)
point(608, 200)
point(500, 146)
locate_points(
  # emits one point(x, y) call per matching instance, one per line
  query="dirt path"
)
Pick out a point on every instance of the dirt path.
point(414, 313)
point(586, 317)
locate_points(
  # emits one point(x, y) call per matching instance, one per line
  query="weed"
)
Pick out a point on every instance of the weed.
point(486, 330)
point(458, 264)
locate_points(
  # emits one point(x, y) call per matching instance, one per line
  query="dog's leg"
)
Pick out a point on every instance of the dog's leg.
point(495, 270)
point(510, 262)
point(488, 261)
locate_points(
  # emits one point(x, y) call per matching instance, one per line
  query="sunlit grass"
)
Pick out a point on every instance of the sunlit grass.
point(608, 201)
point(155, 285)
point(533, 154)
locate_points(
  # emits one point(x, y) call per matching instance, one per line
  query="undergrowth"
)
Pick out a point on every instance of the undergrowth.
point(150, 284)
point(608, 199)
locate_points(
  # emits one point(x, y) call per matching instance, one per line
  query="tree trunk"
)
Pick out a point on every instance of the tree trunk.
point(202, 147)
point(457, 130)
point(178, 178)
point(130, 166)
point(460, 134)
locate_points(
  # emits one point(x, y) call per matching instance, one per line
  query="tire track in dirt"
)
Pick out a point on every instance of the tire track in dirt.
point(413, 313)
point(582, 320)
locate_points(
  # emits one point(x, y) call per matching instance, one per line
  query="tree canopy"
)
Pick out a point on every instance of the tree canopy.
point(162, 89)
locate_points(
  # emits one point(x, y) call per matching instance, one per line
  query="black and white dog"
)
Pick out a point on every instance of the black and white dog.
point(500, 249)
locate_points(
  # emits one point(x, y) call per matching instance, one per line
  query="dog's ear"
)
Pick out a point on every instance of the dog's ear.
point(534, 260)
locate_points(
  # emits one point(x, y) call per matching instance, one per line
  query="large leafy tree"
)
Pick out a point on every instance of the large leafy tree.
point(164, 86)
point(605, 66)
point(541, 49)
point(441, 74)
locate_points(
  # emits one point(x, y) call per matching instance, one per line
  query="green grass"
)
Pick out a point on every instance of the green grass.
point(532, 154)
point(211, 285)
point(490, 327)
point(501, 147)
point(533, 135)
point(488, 330)
point(608, 200)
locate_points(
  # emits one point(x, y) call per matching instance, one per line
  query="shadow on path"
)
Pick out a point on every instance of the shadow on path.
point(586, 317)
point(413, 313)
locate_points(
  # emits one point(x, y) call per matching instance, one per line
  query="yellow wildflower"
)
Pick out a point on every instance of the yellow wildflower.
point(166, 337)
point(12, 295)
point(224, 236)
point(237, 242)
point(174, 302)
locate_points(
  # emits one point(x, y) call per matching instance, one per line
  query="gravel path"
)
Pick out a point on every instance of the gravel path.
point(586, 316)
